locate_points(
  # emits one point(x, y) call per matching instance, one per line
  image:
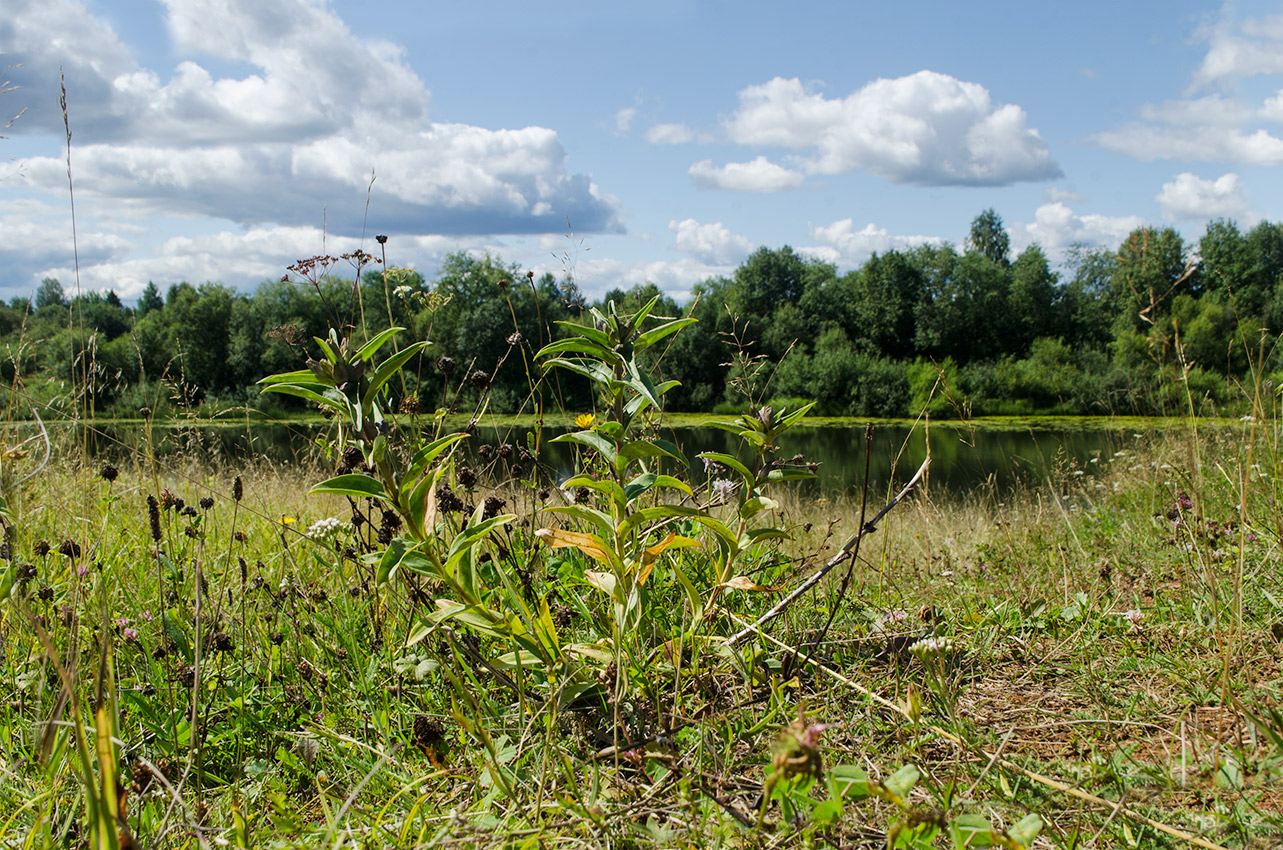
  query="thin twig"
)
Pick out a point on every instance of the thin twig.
point(845, 552)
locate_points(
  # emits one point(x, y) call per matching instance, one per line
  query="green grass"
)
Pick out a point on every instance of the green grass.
point(1094, 641)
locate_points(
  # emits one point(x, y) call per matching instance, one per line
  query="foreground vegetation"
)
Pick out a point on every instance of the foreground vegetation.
point(1101, 652)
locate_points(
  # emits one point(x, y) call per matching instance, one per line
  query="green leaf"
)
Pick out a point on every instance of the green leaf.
point(791, 419)
point(389, 368)
point(970, 831)
point(654, 335)
point(587, 331)
point(1026, 830)
point(175, 634)
point(319, 393)
point(592, 440)
point(729, 461)
point(423, 457)
point(647, 448)
point(826, 813)
point(367, 351)
point(639, 485)
point(7, 580)
point(848, 782)
point(593, 370)
point(642, 483)
point(355, 485)
point(899, 784)
point(578, 345)
point(755, 505)
point(590, 515)
point(389, 560)
point(301, 376)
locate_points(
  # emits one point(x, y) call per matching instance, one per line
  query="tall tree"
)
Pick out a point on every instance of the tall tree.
point(1032, 300)
point(989, 238)
point(149, 300)
point(50, 294)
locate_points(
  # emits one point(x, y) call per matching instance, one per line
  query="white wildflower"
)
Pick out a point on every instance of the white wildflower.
point(325, 529)
point(932, 646)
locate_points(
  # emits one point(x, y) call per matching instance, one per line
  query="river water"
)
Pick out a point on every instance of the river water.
point(992, 454)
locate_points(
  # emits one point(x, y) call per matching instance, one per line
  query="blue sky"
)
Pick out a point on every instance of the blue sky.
point(223, 139)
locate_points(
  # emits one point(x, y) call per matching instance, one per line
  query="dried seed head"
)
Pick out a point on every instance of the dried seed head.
point(445, 364)
point(515, 339)
point(480, 379)
point(467, 478)
point(206, 503)
point(40, 548)
point(381, 239)
point(238, 489)
point(153, 518)
point(410, 405)
point(108, 472)
point(493, 505)
point(70, 548)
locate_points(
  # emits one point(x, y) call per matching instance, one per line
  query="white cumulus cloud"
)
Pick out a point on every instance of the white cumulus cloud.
point(713, 243)
point(320, 111)
point(926, 128)
point(1241, 49)
point(1192, 198)
point(759, 175)
point(1056, 227)
point(840, 243)
point(1214, 126)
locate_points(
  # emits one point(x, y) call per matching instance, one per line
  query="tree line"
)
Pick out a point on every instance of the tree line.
point(1147, 327)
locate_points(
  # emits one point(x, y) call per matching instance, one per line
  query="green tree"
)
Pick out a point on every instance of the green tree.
point(989, 238)
point(1032, 301)
point(50, 294)
point(149, 300)
point(884, 298)
point(1150, 269)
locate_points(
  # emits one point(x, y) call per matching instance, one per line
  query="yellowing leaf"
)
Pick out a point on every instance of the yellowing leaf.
point(745, 583)
point(605, 582)
point(652, 553)
point(559, 538)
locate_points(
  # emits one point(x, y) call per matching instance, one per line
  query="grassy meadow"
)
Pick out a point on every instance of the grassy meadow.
point(1100, 651)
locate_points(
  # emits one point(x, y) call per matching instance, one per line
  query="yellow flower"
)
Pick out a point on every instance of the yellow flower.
point(584, 421)
point(286, 520)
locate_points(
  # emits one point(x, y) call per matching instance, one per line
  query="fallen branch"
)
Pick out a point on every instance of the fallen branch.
point(843, 553)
